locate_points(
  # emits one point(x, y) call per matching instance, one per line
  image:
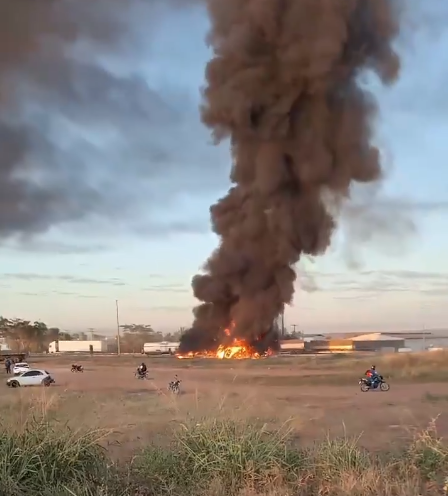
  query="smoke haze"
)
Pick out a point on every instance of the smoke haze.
point(64, 92)
point(283, 84)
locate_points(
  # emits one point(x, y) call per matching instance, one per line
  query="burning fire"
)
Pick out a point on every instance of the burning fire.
point(238, 349)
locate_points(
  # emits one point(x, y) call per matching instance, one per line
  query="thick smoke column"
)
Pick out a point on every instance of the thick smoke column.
point(283, 85)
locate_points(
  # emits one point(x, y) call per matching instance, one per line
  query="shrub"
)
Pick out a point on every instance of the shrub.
point(237, 454)
point(428, 453)
point(222, 457)
point(216, 458)
point(41, 458)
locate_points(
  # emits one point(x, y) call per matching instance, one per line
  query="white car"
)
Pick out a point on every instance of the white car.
point(19, 368)
point(32, 377)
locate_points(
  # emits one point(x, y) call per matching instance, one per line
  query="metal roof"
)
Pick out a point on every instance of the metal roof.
point(376, 336)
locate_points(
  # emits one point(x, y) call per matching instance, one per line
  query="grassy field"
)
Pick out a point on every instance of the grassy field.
point(282, 426)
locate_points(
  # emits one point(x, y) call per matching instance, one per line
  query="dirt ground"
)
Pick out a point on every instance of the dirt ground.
point(134, 412)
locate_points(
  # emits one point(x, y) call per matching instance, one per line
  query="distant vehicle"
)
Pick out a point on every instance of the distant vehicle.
point(174, 386)
point(142, 376)
point(33, 377)
point(161, 348)
point(77, 347)
point(77, 368)
point(20, 367)
point(292, 346)
point(366, 384)
point(4, 354)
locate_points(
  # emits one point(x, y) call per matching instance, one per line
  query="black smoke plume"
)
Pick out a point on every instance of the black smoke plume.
point(60, 75)
point(283, 84)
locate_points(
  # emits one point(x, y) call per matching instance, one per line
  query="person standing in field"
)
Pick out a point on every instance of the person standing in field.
point(8, 366)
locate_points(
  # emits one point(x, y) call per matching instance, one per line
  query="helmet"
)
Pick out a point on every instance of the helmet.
point(373, 367)
point(143, 364)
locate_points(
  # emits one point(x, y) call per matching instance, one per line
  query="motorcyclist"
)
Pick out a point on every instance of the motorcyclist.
point(373, 375)
point(142, 369)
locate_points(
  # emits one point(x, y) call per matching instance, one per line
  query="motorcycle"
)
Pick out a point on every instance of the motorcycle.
point(174, 386)
point(77, 368)
point(141, 376)
point(366, 384)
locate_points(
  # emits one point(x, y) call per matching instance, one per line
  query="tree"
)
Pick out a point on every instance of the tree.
point(53, 334)
point(64, 336)
point(26, 336)
point(175, 336)
point(136, 335)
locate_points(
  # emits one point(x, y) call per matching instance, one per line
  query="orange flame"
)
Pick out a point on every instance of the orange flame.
point(238, 349)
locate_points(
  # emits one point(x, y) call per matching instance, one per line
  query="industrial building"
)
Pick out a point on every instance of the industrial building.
point(413, 340)
point(374, 342)
point(378, 341)
point(329, 346)
point(424, 340)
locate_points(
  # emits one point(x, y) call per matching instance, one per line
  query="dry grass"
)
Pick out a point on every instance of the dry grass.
point(239, 429)
point(421, 367)
point(216, 458)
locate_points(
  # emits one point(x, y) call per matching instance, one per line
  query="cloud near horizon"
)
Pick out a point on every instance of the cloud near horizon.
point(29, 277)
point(365, 285)
point(343, 285)
point(9, 278)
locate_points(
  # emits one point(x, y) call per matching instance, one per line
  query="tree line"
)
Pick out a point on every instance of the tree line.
point(134, 336)
point(25, 336)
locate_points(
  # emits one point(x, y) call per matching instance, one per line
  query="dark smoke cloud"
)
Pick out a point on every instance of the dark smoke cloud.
point(283, 85)
point(64, 93)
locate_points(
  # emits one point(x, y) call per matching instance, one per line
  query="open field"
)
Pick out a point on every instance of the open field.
point(315, 399)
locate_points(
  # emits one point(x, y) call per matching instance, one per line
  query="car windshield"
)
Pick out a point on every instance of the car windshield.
point(22, 365)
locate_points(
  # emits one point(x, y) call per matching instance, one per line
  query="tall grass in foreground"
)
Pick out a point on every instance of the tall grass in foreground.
point(222, 458)
point(216, 458)
point(44, 458)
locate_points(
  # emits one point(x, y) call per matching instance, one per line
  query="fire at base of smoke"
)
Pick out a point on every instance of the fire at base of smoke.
point(283, 84)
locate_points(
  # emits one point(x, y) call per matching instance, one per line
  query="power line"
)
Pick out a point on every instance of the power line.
point(118, 329)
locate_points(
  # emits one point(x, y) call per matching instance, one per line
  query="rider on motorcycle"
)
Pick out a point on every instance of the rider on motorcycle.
point(373, 376)
point(142, 369)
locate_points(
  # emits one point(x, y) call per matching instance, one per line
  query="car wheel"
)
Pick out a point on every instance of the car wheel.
point(46, 383)
point(15, 384)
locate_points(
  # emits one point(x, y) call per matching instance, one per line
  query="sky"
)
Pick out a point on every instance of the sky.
point(386, 270)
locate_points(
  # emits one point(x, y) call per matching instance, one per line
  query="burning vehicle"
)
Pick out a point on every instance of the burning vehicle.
point(226, 345)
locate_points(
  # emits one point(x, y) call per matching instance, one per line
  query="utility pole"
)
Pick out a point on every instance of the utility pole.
point(294, 328)
point(283, 322)
point(118, 329)
point(422, 308)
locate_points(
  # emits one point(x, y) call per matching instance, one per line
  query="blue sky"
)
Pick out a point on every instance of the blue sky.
point(387, 269)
